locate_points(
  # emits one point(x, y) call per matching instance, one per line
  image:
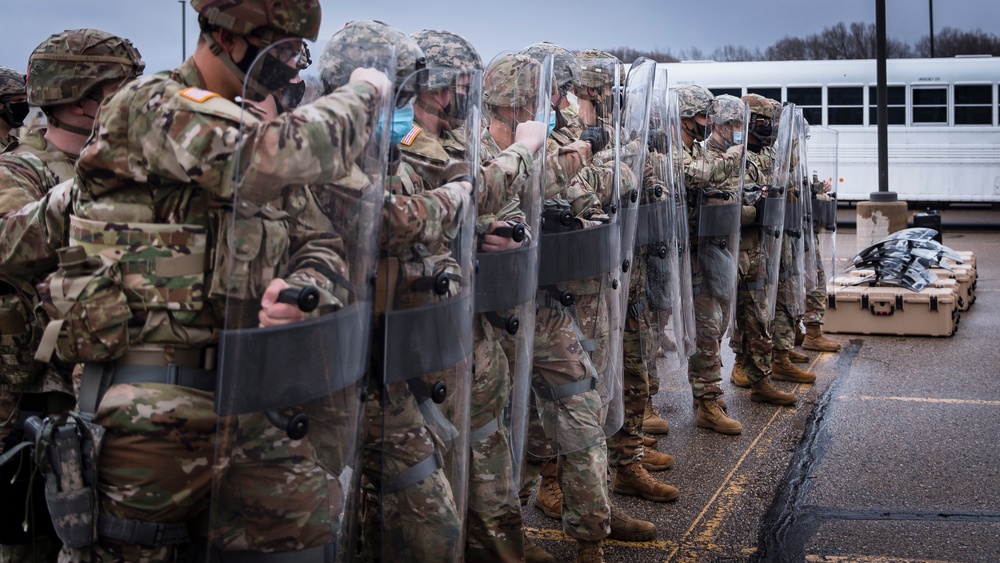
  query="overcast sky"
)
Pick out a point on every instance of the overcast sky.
point(154, 26)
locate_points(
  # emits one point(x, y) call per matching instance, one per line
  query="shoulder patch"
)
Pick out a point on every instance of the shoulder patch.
point(411, 136)
point(197, 94)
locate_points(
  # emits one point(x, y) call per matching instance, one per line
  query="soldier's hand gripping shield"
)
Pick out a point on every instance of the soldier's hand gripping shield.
point(515, 90)
point(719, 202)
point(299, 269)
point(768, 196)
point(578, 365)
point(823, 180)
point(426, 312)
point(798, 231)
point(684, 332)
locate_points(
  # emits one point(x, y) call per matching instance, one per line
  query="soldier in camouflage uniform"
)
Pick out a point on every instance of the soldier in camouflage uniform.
point(13, 105)
point(161, 170)
point(705, 170)
point(816, 299)
point(66, 89)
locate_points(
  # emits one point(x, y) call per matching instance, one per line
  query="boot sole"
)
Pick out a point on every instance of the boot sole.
point(726, 431)
point(822, 348)
point(633, 536)
point(791, 378)
point(759, 399)
point(628, 491)
point(651, 467)
point(656, 430)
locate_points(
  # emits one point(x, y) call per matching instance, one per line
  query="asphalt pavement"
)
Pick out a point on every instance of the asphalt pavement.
point(892, 456)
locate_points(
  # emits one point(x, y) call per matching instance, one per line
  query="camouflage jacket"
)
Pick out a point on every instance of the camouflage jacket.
point(7, 141)
point(30, 169)
point(707, 170)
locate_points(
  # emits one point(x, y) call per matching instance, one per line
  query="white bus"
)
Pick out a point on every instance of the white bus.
point(944, 136)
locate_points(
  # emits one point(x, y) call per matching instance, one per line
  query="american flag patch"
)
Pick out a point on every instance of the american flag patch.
point(197, 94)
point(411, 136)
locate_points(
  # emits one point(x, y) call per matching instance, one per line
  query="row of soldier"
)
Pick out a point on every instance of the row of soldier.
point(261, 307)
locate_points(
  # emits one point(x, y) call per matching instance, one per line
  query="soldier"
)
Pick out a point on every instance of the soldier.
point(13, 105)
point(161, 171)
point(760, 250)
point(66, 87)
point(824, 221)
point(708, 172)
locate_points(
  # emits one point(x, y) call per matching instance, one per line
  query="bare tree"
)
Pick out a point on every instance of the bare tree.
point(730, 53)
point(837, 42)
point(628, 54)
point(949, 42)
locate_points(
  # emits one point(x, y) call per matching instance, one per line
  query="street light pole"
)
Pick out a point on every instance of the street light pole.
point(931, 17)
point(183, 30)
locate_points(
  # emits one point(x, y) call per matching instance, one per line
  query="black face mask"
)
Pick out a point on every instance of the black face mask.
point(272, 76)
point(698, 132)
point(458, 107)
point(763, 129)
point(14, 113)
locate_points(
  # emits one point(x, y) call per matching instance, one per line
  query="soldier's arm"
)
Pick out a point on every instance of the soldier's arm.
point(503, 177)
point(422, 216)
point(19, 184)
point(30, 236)
point(316, 251)
point(563, 163)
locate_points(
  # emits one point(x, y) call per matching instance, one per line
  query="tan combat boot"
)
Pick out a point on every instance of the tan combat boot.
point(797, 358)
point(720, 400)
point(648, 441)
point(765, 392)
point(634, 480)
point(815, 340)
point(626, 528)
point(711, 415)
point(589, 551)
point(782, 369)
point(653, 460)
point(549, 497)
point(534, 553)
point(739, 377)
point(652, 423)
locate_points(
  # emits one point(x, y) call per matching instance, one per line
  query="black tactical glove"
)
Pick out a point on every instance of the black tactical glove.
point(597, 137)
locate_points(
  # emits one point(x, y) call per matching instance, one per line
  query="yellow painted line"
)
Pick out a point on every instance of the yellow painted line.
point(812, 558)
point(930, 400)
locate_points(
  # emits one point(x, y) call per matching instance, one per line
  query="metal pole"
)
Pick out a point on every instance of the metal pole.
point(883, 194)
point(931, 8)
point(183, 30)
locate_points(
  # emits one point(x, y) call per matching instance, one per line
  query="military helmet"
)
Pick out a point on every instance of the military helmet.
point(11, 82)
point(298, 18)
point(727, 109)
point(67, 66)
point(565, 67)
point(693, 99)
point(444, 49)
point(511, 81)
point(759, 105)
point(364, 43)
point(597, 68)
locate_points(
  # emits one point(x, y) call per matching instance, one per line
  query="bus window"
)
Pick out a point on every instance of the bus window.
point(974, 104)
point(845, 105)
point(738, 92)
point(766, 91)
point(930, 104)
point(810, 99)
point(895, 105)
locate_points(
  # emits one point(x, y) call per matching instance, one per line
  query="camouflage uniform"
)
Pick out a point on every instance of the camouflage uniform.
point(11, 86)
point(168, 132)
point(816, 299)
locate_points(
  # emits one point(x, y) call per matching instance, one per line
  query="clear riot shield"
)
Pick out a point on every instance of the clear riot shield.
point(515, 90)
point(797, 238)
point(425, 311)
point(684, 336)
point(719, 203)
point(579, 283)
point(655, 238)
point(822, 149)
point(768, 195)
point(298, 266)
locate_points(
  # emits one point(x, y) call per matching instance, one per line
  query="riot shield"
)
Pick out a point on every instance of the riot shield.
point(719, 203)
point(656, 235)
point(822, 149)
point(426, 313)
point(297, 272)
point(798, 240)
point(515, 89)
point(767, 193)
point(684, 336)
point(578, 362)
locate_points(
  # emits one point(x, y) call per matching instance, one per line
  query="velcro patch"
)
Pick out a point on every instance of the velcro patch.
point(197, 94)
point(411, 136)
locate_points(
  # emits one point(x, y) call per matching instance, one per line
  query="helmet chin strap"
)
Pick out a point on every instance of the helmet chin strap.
point(252, 88)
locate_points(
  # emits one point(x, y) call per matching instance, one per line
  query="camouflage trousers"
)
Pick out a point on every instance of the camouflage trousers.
point(158, 463)
point(816, 299)
point(783, 325)
point(751, 337)
point(638, 349)
point(570, 427)
point(495, 524)
point(711, 316)
point(422, 522)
